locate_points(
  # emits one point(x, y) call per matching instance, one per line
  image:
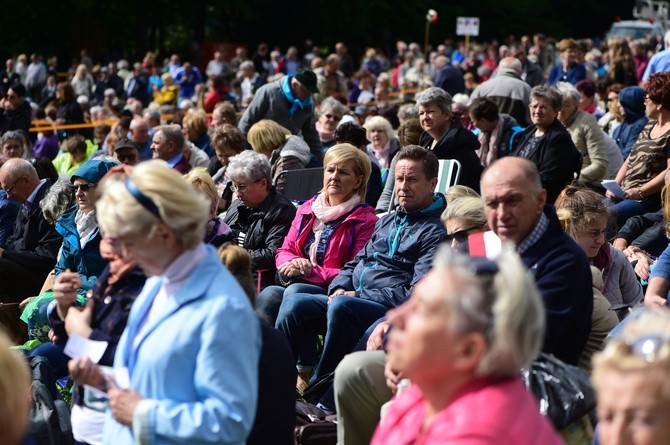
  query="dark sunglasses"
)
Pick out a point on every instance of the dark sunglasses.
point(462, 235)
point(83, 187)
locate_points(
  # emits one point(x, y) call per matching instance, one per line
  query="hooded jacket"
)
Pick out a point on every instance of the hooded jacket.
point(625, 135)
point(293, 155)
point(399, 253)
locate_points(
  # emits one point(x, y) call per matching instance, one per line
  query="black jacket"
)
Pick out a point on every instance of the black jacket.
point(646, 232)
point(460, 144)
point(34, 243)
point(17, 119)
point(555, 156)
point(265, 227)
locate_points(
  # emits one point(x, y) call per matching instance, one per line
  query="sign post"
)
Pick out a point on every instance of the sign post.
point(467, 26)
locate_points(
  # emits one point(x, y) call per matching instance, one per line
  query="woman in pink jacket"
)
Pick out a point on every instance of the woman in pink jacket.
point(328, 230)
point(462, 338)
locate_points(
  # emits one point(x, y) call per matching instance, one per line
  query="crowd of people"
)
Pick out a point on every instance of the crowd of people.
point(146, 206)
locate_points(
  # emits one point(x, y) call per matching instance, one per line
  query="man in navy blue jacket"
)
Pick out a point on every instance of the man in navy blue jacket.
point(516, 210)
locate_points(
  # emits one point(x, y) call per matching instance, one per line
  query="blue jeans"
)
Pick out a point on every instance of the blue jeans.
point(267, 307)
point(626, 209)
point(54, 354)
point(343, 321)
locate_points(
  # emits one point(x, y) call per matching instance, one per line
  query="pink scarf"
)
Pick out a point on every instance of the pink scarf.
point(325, 136)
point(488, 150)
point(324, 213)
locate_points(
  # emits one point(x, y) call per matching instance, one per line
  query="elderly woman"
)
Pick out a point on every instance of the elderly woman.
point(195, 129)
point(547, 143)
point(462, 338)
point(446, 137)
point(586, 135)
point(327, 232)
point(217, 232)
point(261, 216)
point(227, 141)
point(630, 377)
point(167, 95)
point(568, 70)
point(331, 112)
point(641, 176)
point(383, 144)
point(191, 347)
point(463, 217)
point(13, 145)
point(284, 150)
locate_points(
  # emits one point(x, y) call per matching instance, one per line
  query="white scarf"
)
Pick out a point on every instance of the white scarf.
point(86, 225)
point(326, 213)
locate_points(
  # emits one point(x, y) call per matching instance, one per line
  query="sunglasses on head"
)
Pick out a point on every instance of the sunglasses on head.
point(646, 347)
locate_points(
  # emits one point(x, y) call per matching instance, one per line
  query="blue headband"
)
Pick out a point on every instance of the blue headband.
point(143, 199)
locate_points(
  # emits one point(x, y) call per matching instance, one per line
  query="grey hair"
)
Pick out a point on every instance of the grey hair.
point(14, 135)
point(505, 307)
point(379, 123)
point(249, 166)
point(172, 133)
point(548, 93)
point(330, 103)
point(247, 65)
point(407, 112)
point(57, 200)
point(436, 96)
point(566, 89)
point(468, 208)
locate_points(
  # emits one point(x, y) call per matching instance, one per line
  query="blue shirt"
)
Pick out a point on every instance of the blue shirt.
point(574, 74)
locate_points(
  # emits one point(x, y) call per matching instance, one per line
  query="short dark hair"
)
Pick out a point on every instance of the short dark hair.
point(350, 133)
point(430, 163)
point(484, 108)
point(19, 89)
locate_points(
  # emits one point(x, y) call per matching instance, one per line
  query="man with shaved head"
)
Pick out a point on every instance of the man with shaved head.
point(30, 252)
point(516, 210)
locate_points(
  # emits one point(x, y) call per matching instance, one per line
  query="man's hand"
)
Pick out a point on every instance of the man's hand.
point(377, 337)
point(339, 292)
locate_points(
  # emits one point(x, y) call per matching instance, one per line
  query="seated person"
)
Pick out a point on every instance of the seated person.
point(464, 359)
point(29, 254)
point(327, 232)
point(630, 378)
point(9, 208)
point(381, 275)
point(217, 232)
point(260, 217)
point(497, 132)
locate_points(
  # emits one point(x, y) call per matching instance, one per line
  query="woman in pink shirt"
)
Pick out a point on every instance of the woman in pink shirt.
point(462, 338)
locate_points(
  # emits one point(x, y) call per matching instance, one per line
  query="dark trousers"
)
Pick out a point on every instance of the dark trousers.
point(17, 282)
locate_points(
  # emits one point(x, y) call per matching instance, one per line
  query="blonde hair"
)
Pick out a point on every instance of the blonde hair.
point(196, 119)
point(203, 183)
point(340, 153)
point(505, 307)
point(14, 393)
point(459, 191)
point(379, 123)
point(618, 354)
point(265, 136)
point(180, 207)
point(469, 208)
point(238, 261)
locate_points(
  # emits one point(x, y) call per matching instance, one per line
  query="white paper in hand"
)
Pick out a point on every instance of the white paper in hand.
point(80, 347)
point(614, 187)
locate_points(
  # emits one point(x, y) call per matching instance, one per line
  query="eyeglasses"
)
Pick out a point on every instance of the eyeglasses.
point(9, 189)
point(84, 187)
point(241, 188)
point(333, 116)
point(646, 347)
point(461, 235)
